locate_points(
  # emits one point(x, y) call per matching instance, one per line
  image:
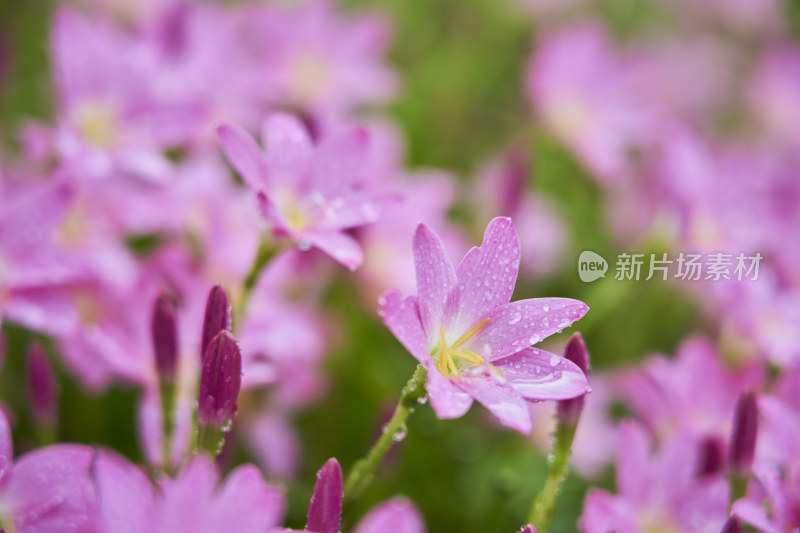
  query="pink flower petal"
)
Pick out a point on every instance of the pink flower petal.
point(397, 515)
point(633, 462)
point(286, 142)
point(402, 318)
point(339, 162)
point(127, 499)
point(520, 324)
point(603, 512)
point(246, 503)
point(502, 400)
point(244, 154)
point(6, 444)
point(436, 279)
point(540, 375)
point(447, 400)
point(486, 275)
point(340, 246)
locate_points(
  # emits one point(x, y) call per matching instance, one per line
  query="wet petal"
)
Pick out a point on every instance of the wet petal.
point(502, 400)
point(402, 318)
point(246, 503)
point(520, 324)
point(436, 279)
point(447, 400)
point(127, 499)
point(540, 375)
point(486, 275)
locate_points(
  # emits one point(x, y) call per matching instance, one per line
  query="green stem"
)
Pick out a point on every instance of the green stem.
point(738, 486)
point(542, 509)
point(364, 470)
point(266, 251)
point(167, 390)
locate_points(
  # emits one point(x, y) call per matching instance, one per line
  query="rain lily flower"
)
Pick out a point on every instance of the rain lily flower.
point(472, 341)
point(49, 489)
point(324, 512)
point(310, 194)
point(194, 500)
point(659, 492)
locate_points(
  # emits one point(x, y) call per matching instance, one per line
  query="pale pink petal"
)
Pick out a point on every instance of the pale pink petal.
point(287, 144)
point(127, 499)
point(272, 213)
point(502, 400)
point(755, 515)
point(397, 515)
point(540, 375)
point(339, 162)
point(486, 275)
point(447, 400)
point(354, 210)
point(50, 489)
point(520, 324)
point(185, 499)
point(603, 512)
point(274, 444)
point(246, 503)
point(634, 463)
point(340, 246)
point(436, 279)
point(244, 154)
point(401, 316)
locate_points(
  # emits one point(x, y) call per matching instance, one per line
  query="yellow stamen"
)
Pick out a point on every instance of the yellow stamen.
point(445, 363)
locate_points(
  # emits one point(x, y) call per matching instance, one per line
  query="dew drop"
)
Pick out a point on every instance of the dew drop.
point(534, 339)
point(400, 434)
point(516, 317)
point(554, 360)
point(546, 308)
point(488, 294)
point(422, 400)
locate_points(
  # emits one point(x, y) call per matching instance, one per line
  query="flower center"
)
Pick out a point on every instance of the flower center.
point(97, 123)
point(446, 356)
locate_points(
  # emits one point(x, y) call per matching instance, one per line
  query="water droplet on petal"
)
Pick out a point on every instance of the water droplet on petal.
point(516, 317)
point(554, 360)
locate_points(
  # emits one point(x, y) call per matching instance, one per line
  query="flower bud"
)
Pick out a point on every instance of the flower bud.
point(43, 388)
point(733, 525)
point(711, 459)
point(165, 337)
point(743, 438)
point(220, 381)
point(528, 529)
point(325, 508)
point(569, 411)
point(217, 317)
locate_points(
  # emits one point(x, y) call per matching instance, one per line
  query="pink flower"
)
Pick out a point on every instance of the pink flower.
point(49, 489)
point(194, 500)
point(661, 490)
point(472, 341)
point(311, 194)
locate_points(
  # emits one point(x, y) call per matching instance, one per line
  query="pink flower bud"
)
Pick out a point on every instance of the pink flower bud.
point(325, 508)
point(43, 388)
point(743, 438)
point(217, 317)
point(165, 337)
point(569, 411)
point(220, 381)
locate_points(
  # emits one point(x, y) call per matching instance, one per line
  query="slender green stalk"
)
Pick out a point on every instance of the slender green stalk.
point(267, 250)
point(167, 390)
point(364, 470)
point(542, 509)
point(738, 486)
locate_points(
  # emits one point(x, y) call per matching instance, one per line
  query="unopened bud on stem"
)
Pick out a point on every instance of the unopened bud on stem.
point(217, 317)
point(220, 380)
point(165, 337)
point(43, 387)
point(743, 444)
point(569, 411)
point(325, 509)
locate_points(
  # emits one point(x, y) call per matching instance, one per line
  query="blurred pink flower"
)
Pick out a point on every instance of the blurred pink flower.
point(49, 489)
point(472, 341)
point(585, 93)
point(194, 500)
point(317, 61)
point(311, 194)
point(693, 393)
point(661, 490)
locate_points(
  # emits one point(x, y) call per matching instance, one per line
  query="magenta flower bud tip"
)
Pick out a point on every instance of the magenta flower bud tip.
point(217, 317)
point(165, 337)
point(712, 457)
point(743, 437)
point(528, 529)
point(733, 525)
point(325, 508)
point(569, 411)
point(220, 381)
point(42, 384)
